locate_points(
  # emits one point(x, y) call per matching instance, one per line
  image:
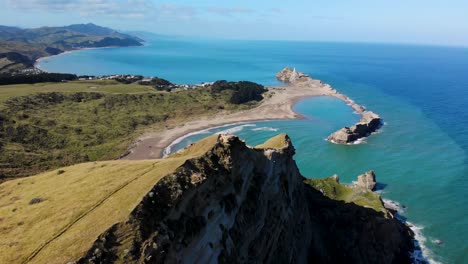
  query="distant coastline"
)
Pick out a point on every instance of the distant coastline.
point(37, 61)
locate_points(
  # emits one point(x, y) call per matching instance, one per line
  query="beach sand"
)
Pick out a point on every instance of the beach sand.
point(277, 105)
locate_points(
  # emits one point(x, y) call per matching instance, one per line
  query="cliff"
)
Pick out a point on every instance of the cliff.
point(236, 204)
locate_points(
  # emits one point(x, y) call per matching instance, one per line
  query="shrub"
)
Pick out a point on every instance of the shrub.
point(36, 200)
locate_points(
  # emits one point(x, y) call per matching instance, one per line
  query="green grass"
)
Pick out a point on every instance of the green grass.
point(46, 126)
point(78, 204)
point(104, 86)
point(334, 190)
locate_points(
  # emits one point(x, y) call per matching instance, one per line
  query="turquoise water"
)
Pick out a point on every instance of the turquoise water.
point(420, 91)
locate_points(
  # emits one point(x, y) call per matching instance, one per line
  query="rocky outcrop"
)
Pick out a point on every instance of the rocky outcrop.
point(369, 123)
point(289, 75)
point(237, 204)
point(366, 181)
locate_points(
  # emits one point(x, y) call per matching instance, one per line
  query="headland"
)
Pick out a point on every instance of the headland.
point(277, 104)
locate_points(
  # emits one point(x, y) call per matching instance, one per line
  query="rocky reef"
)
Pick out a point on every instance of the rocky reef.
point(369, 123)
point(240, 204)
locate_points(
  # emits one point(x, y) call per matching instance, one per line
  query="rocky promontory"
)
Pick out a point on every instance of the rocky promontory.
point(240, 204)
point(369, 122)
point(289, 75)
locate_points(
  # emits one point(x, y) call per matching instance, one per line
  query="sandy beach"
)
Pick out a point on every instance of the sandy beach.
point(277, 105)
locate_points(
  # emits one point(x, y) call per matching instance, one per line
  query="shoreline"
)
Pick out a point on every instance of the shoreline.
point(38, 60)
point(277, 105)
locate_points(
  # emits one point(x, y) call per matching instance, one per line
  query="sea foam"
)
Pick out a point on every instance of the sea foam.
point(168, 149)
point(421, 254)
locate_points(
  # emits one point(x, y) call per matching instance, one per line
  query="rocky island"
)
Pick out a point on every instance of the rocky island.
point(369, 122)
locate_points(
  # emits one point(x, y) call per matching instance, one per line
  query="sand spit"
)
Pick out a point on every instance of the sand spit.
point(277, 105)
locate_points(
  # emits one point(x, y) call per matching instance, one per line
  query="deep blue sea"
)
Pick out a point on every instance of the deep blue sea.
point(420, 91)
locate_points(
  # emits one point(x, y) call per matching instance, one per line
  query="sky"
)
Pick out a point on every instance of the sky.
point(432, 22)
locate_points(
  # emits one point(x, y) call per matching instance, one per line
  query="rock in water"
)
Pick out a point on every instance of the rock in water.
point(366, 181)
point(369, 123)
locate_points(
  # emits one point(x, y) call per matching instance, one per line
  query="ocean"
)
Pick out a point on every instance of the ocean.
point(421, 92)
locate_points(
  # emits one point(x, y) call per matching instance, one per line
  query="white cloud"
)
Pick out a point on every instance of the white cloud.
point(106, 8)
point(229, 11)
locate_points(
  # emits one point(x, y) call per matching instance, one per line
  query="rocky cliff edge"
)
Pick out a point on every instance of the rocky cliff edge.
point(240, 204)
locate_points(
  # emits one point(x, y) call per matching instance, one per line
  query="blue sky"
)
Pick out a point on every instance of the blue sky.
point(395, 21)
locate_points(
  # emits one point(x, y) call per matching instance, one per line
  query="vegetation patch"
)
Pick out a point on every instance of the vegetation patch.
point(331, 188)
point(65, 227)
point(241, 92)
point(70, 123)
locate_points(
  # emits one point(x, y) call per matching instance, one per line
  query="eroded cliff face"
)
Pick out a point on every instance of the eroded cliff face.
point(237, 204)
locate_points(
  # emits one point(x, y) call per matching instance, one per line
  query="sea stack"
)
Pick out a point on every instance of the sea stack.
point(366, 181)
point(369, 123)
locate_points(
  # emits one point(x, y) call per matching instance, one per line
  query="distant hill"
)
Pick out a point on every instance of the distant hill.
point(45, 41)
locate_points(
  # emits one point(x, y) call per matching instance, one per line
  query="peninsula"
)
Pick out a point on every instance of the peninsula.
point(368, 123)
point(277, 104)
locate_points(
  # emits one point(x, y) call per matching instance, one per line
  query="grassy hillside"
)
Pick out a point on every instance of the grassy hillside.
point(46, 126)
point(331, 188)
point(56, 216)
point(45, 41)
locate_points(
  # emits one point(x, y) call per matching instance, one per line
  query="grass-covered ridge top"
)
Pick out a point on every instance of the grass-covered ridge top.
point(58, 214)
point(55, 217)
point(332, 188)
point(66, 215)
point(280, 141)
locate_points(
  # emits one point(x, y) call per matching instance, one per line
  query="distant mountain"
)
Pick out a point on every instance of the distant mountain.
point(91, 28)
point(45, 41)
point(9, 29)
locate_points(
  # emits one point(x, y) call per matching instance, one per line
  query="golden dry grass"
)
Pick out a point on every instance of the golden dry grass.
point(80, 202)
point(276, 142)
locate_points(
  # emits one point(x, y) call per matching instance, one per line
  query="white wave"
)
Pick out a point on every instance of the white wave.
point(394, 205)
point(359, 141)
point(168, 149)
point(421, 254)
point(265, 129)
point(235, 129)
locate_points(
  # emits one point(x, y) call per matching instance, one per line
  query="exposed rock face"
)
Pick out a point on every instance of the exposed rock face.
point(369, 123)
point(237, 204)
point(367, 181)
point(289, 75)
